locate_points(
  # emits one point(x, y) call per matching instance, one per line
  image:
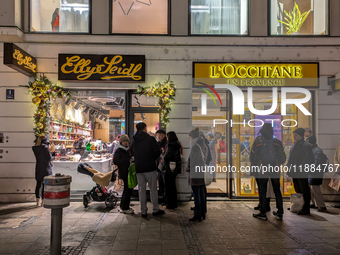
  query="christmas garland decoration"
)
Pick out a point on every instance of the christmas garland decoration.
point(165, 92)
point(71, 123)
point(43, 91)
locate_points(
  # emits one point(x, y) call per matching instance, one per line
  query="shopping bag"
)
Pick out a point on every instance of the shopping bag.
point(132, 176)
point(296, 202)
point(335, 182)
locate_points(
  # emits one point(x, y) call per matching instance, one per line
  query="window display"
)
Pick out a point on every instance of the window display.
point(299, 17)
point(222, 17)
point(65, 16)
point(133, 17)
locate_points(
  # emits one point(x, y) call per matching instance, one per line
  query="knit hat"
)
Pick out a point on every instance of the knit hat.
point(201, 133)
point(311, 139)
point(194, 133)
point(300, 132)
point(123, 138)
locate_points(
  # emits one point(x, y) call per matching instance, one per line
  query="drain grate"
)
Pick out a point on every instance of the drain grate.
point(194, 246)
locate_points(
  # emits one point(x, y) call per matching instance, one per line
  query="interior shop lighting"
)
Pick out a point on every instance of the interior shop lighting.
point(105, 119)
point(121, 103)
point(68, 101)
point(86, 109)
point(117, 100)
point(92, 112)
point(97, 115)
point(77, 106)
point(101, 117)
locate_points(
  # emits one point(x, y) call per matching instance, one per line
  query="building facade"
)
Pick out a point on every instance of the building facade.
point(171, 48)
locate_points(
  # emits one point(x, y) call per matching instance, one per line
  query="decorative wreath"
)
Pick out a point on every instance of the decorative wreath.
point(165, 92)
point(43, 91)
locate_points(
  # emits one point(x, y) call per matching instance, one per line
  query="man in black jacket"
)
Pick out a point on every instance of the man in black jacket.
point(262, 147)
point(161, 137)
point(300, 154)
point(145, 150)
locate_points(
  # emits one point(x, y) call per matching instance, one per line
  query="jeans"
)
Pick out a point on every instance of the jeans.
point(126, 196)
point(317, 198)
point(151, 179)
point(199, 200)
point(161, 185)
point(301, 186)
point(263, 194)
point(37, 190)
point(171, 190)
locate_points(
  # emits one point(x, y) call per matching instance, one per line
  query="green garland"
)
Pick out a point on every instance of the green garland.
point(165, 92)
point(43, 91)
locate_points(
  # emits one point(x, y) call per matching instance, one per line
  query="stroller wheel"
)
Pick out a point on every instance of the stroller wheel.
point(111, 201)
point(85, 201)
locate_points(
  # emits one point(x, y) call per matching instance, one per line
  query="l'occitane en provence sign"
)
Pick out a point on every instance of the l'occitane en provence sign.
point(258, 74)
point(90, 67)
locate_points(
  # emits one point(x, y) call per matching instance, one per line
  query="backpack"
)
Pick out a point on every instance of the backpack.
point(268, 155)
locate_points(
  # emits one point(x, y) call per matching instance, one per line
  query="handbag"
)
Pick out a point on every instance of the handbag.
point(208, 177)
point(132, 176)
point(335, 182)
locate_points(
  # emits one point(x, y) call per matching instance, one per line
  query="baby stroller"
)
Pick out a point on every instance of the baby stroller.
point(98, 193)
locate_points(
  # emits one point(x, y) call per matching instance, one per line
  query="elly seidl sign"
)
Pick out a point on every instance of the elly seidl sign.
point(19, 59)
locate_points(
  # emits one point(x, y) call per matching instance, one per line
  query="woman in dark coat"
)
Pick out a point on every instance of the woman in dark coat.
point(43, 166)
point(173, 153)
point(122, 159)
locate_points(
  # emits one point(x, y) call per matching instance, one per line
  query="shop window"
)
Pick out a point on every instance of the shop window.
point(140, 17)
point(299, 17)
point(243, 138)
point(64, 16)
point(219, 17)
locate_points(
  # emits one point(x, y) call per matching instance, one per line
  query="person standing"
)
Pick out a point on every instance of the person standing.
point(122, 158)
point(161, 141)
point(317, 176)
point(301, 154)
point(78, 145)
point(173, 153)
point(145, 150)
point(197, 157)
point(266, 152)
point(43, 166)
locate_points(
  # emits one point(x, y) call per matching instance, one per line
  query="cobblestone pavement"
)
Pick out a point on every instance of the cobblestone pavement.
point(228, 229)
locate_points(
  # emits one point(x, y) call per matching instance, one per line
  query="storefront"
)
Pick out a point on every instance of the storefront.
point(231, 135)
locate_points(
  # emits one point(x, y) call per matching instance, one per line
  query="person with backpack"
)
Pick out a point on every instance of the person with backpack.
point(301, 154)
point(173, 166)
point(122, 158)
point(266, 152)
point(317, 177)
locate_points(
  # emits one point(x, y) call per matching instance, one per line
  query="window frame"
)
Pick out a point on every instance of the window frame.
point(295, 36)
point(219, 35)
point(62, 33)
point(136, 34)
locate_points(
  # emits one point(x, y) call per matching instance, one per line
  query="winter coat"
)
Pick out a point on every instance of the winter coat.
point(317, 176)
point(337, 155)
point(145, 150)
point(121, 158)
point(43, 158)
point(299, 155)
point(173, 154)
point(196, 159)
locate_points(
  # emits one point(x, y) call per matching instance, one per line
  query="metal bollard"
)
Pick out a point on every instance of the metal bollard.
point(56, 197)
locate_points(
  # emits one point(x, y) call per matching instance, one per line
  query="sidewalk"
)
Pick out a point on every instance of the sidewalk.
point(228, 229)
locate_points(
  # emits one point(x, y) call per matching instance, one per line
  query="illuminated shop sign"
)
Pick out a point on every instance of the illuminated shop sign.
point(19, 59)
point(257, 74)
point(112, 68)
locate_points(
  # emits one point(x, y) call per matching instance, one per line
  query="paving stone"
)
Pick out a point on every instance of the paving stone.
point(96, 250)
point(236, 243)
point(13, 248)
point(123, 235)
point(125, 245)
point(267, 249)
point(215, 249)
point(243, 251)
point(297, 252)
point(286, 243)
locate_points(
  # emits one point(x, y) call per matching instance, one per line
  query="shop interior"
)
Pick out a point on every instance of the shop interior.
point(234, 149)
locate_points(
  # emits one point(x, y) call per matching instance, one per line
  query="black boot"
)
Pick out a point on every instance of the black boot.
point(258, 207)
point(268, 204)
point(195, 218)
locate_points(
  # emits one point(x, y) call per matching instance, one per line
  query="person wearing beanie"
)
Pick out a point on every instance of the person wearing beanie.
point(301, 154)
point(145, 150)
point(317, 177)
point(122, 158)
point(43, 166)
point(263, 146)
